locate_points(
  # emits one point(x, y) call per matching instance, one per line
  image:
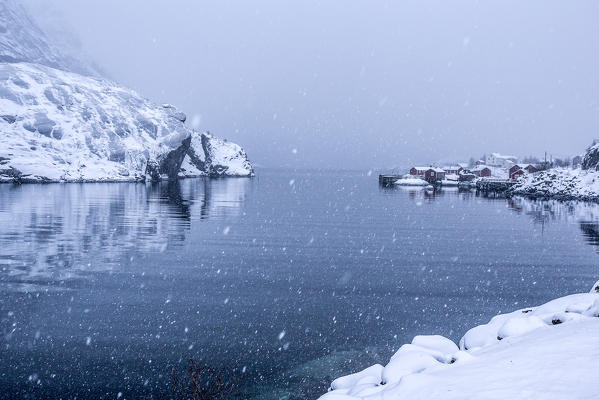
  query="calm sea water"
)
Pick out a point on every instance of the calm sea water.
point(292, 277)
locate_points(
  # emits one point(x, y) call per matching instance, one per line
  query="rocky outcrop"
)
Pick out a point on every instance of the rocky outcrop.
point(215, 157)
point(591, 158)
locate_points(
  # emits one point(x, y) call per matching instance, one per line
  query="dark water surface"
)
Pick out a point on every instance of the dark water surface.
point(291, 277)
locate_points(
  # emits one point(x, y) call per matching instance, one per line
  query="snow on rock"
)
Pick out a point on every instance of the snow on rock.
point(406, 363)
point(545, 352)
point(564, 183)
point(519, 326)
point(224, 158)
point(214, 157)
point(591, 158)
point(560, 183)
point(436, 343)
point(370, 376)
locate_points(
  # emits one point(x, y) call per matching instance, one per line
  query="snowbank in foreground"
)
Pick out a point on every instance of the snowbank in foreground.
point(545, 352)
point(560, 183)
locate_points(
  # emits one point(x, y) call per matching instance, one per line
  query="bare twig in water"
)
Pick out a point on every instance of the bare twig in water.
point(202, 383)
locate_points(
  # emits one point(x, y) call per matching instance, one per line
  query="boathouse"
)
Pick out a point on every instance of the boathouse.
point(429, 174)
point(481, 171)
point(516, 172)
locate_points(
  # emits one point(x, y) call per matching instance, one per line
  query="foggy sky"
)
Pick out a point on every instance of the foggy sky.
point(371, 84)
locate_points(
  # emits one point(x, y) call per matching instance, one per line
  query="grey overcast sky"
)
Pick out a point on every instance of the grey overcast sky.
point(356, 84)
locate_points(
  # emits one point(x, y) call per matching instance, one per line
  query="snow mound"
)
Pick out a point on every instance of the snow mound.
point(544, 352)
point(411, 182)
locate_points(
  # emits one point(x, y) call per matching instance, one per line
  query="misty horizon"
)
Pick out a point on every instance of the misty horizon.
point(343, 85)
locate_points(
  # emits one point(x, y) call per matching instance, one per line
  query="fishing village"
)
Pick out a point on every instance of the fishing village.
point(493, 174)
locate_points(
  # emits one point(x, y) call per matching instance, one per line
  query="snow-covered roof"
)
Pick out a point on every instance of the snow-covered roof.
point(452, 167)
point(497, 155)
point(480, 168)
point(423, 169)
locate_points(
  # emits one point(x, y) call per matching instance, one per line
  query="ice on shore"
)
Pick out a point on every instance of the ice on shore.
point(544, 352)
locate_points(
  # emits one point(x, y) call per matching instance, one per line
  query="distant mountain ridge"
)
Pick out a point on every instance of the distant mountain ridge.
point(61, 122)
point(22, 40)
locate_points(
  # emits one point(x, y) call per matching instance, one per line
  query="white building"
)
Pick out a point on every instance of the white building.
point(498, 160)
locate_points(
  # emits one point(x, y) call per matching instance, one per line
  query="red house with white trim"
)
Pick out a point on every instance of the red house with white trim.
point(429, 174)
point(481, 171)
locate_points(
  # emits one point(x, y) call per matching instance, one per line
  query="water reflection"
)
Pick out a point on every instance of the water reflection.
point(585, 214)
point(55, 232)
point(430, 194)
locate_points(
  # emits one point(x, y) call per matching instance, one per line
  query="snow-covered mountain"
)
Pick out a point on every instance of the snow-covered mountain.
point(60, 122)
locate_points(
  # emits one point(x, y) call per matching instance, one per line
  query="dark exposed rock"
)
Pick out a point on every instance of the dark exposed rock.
point(170, 164)
point(10, 174)
point(591, 158)
point(196, 159)
point(9, 118)
point(153, 170)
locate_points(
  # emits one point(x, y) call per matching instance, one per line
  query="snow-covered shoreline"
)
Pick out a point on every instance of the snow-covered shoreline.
point(560, 184)
point(544, 352)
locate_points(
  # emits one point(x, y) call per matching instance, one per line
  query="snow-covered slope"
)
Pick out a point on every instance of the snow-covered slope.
point(558, 183)
point(59, 125)
point(564, 183)
point(545, 352)
point(21, 40)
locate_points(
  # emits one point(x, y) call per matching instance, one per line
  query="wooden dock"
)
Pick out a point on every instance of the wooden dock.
point(388, 180)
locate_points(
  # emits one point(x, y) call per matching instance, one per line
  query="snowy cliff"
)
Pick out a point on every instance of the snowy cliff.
point(59, 122)
point(545, 352)
point(214, 157)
